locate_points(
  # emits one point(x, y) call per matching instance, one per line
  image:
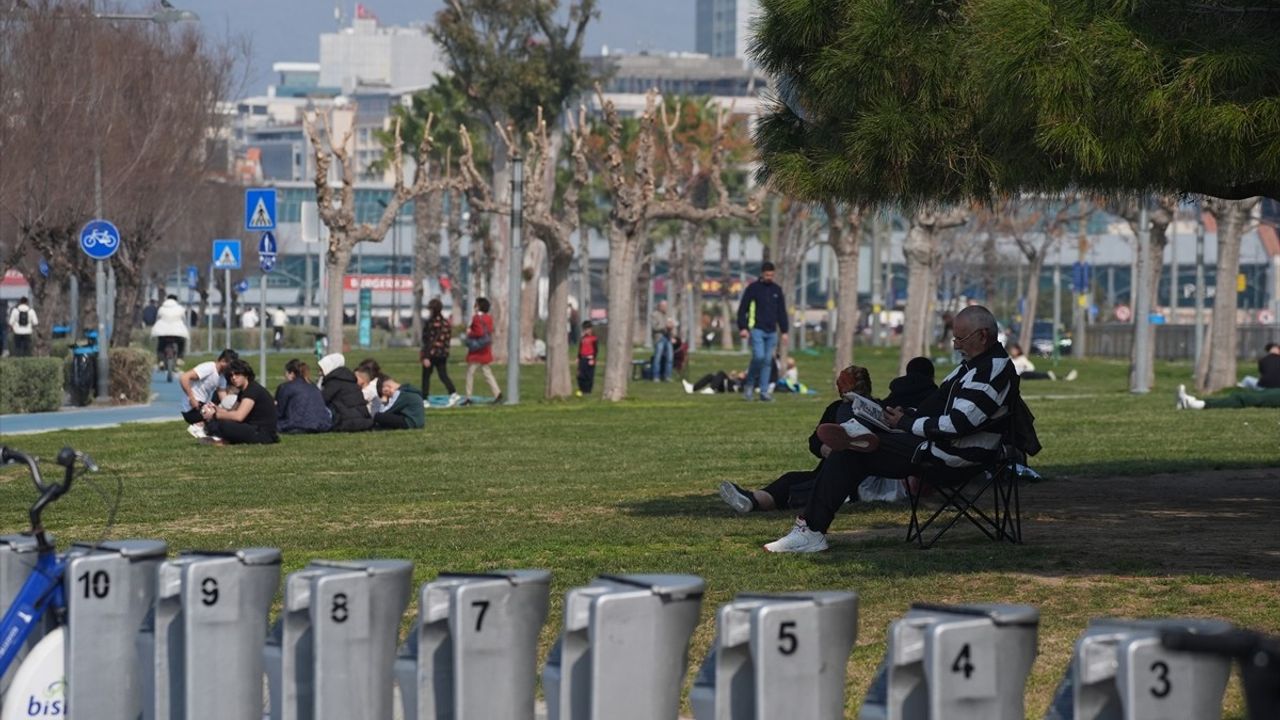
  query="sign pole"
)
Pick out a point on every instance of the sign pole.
point(206, 311)
point(100, 290)
point(262, 329)
point(513, 288)
point(226, 301)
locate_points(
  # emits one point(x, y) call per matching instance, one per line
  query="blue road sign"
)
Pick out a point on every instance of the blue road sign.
point(44, 267)
point(260, 209)
point(242, 287)
point(193, 277)
point(99, 239)
point(267, 245)
point(267, 263)
point(226, 254)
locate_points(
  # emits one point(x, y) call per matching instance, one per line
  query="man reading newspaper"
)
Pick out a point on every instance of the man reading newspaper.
point(960, 425)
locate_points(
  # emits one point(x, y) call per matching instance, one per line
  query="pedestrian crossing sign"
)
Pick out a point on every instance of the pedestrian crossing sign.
point(226, 254)
point(260, 209)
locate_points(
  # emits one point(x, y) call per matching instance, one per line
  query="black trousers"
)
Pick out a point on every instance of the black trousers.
point(792, 490)
point(586, 375)
point(390, 421)
point(21, 345)
point(238, 433)
point(441, 366)
point(193, 416)
point(842, 472)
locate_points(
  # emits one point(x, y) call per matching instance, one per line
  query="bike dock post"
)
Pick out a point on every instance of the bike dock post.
point(624, 648)
point(109, 590)
point(1121, 669)
point(967, 662)
point(782, 655)
point(330, 655)
point(202, 647)
point(472, 654)
point(17, 557)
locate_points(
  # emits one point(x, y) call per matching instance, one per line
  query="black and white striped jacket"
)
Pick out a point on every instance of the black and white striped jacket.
point(964, 421)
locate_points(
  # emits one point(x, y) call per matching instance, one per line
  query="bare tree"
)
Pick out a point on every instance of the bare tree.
point(340, 218)
point(1217, 366)
point(922, 249)
point(1146, 269)
point(635, 202)
point(1021, 220)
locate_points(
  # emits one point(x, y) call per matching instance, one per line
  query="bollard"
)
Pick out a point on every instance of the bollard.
point(331, 653)
point(472, 654)
point(962, 662)
point(624, 648)
point(109, 590)
point(778, 656)
point(1121, 671)
point(201, 647)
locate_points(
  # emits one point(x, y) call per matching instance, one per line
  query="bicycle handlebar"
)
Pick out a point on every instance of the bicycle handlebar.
point(49, 492)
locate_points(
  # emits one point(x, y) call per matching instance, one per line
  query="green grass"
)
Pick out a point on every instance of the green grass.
point(583, 487)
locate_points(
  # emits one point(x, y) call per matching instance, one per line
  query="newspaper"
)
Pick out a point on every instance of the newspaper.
point(868, 411)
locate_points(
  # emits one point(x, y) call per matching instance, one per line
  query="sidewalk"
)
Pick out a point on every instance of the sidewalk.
point(165, 398)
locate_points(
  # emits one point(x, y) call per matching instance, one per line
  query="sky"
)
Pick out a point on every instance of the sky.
point(290, 29)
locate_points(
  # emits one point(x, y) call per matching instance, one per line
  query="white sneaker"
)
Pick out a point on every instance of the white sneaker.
point(1071, 376)
point(734, 498)
point(197, 431)
point(708, 391)
point(1051, 375)
point(800, 540)
point(454, 399)
point(1187, 402)
point(688, 386)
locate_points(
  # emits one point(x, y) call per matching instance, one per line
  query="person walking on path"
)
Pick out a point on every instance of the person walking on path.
point(22, 325)
point(762, 317)
point(663, 352)
point(434, 354)
point(480, 350)
point(587, 359)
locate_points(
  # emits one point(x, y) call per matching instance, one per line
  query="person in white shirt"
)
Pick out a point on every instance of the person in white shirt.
point(22, 325)
point(279, 319)
point(249, 319)
point(1027, 371)
point(203, 385)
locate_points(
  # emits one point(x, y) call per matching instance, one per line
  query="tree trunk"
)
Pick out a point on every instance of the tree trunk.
point(846, 305)
point(47, 299)
point(128, 300)
point(336, 262)
point(623, 252)
point(1218, 363)
point(454, 266)
point(695, 259)
point(559, 373)
point(729, 331)
point(638, 320)
point(921, 251)
point(1035, 267)
point(535, 251)
point(1151, 266)
point(584, 270)
point(426, 252)
point(499, 254)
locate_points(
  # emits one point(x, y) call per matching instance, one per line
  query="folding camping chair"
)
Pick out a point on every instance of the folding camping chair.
point(962, 489)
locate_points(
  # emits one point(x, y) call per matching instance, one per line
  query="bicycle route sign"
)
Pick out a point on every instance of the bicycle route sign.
point(99, 239)
point(226, 254)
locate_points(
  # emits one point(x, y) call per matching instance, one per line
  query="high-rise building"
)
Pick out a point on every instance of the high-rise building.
point(723, 27)
point(369, 54)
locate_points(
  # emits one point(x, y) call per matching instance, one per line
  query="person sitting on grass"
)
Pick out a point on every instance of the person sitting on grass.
point(367, 374)
point(792, 489)
point(1027, 371)
point(959, 427)
point(299, 404)
point(403, 408)
point(253, 419)
point(343, 397)
point(204, 383)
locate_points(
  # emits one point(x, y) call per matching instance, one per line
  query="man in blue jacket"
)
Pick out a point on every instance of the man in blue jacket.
point(762, 316)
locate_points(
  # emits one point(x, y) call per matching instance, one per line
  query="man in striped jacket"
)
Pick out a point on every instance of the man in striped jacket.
point(960, 425)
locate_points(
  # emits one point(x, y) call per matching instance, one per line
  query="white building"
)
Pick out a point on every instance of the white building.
point(368, 54)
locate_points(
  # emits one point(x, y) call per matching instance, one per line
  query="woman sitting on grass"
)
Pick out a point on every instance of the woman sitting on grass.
point(299, 404)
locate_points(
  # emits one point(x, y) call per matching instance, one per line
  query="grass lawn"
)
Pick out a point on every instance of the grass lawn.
point(1144, 511)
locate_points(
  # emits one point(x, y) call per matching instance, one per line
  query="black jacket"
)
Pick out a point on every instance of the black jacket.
point(828, 416)
point(1269, 371)
point(300, 408)
point(763, 306)
point(345, 401)
point(909, 391)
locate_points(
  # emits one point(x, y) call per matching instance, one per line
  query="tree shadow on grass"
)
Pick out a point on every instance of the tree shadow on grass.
point(1185, 523)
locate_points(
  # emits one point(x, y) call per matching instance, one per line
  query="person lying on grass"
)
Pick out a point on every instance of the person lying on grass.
point(403, 406)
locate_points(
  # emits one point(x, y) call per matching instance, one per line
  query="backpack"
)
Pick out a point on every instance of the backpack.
point(24, 318)
point(1022, 424)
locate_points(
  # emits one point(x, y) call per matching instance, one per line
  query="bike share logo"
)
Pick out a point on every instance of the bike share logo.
point(52, 703)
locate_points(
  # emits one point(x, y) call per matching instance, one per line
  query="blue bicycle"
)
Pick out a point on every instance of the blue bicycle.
point(42, 592)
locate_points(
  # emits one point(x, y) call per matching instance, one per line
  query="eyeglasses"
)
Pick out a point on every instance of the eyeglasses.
point(965, 339)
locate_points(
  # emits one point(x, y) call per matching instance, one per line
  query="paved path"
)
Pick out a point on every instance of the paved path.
point(163, 406)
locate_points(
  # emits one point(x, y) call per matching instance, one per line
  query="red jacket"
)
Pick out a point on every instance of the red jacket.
point(481, 324)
